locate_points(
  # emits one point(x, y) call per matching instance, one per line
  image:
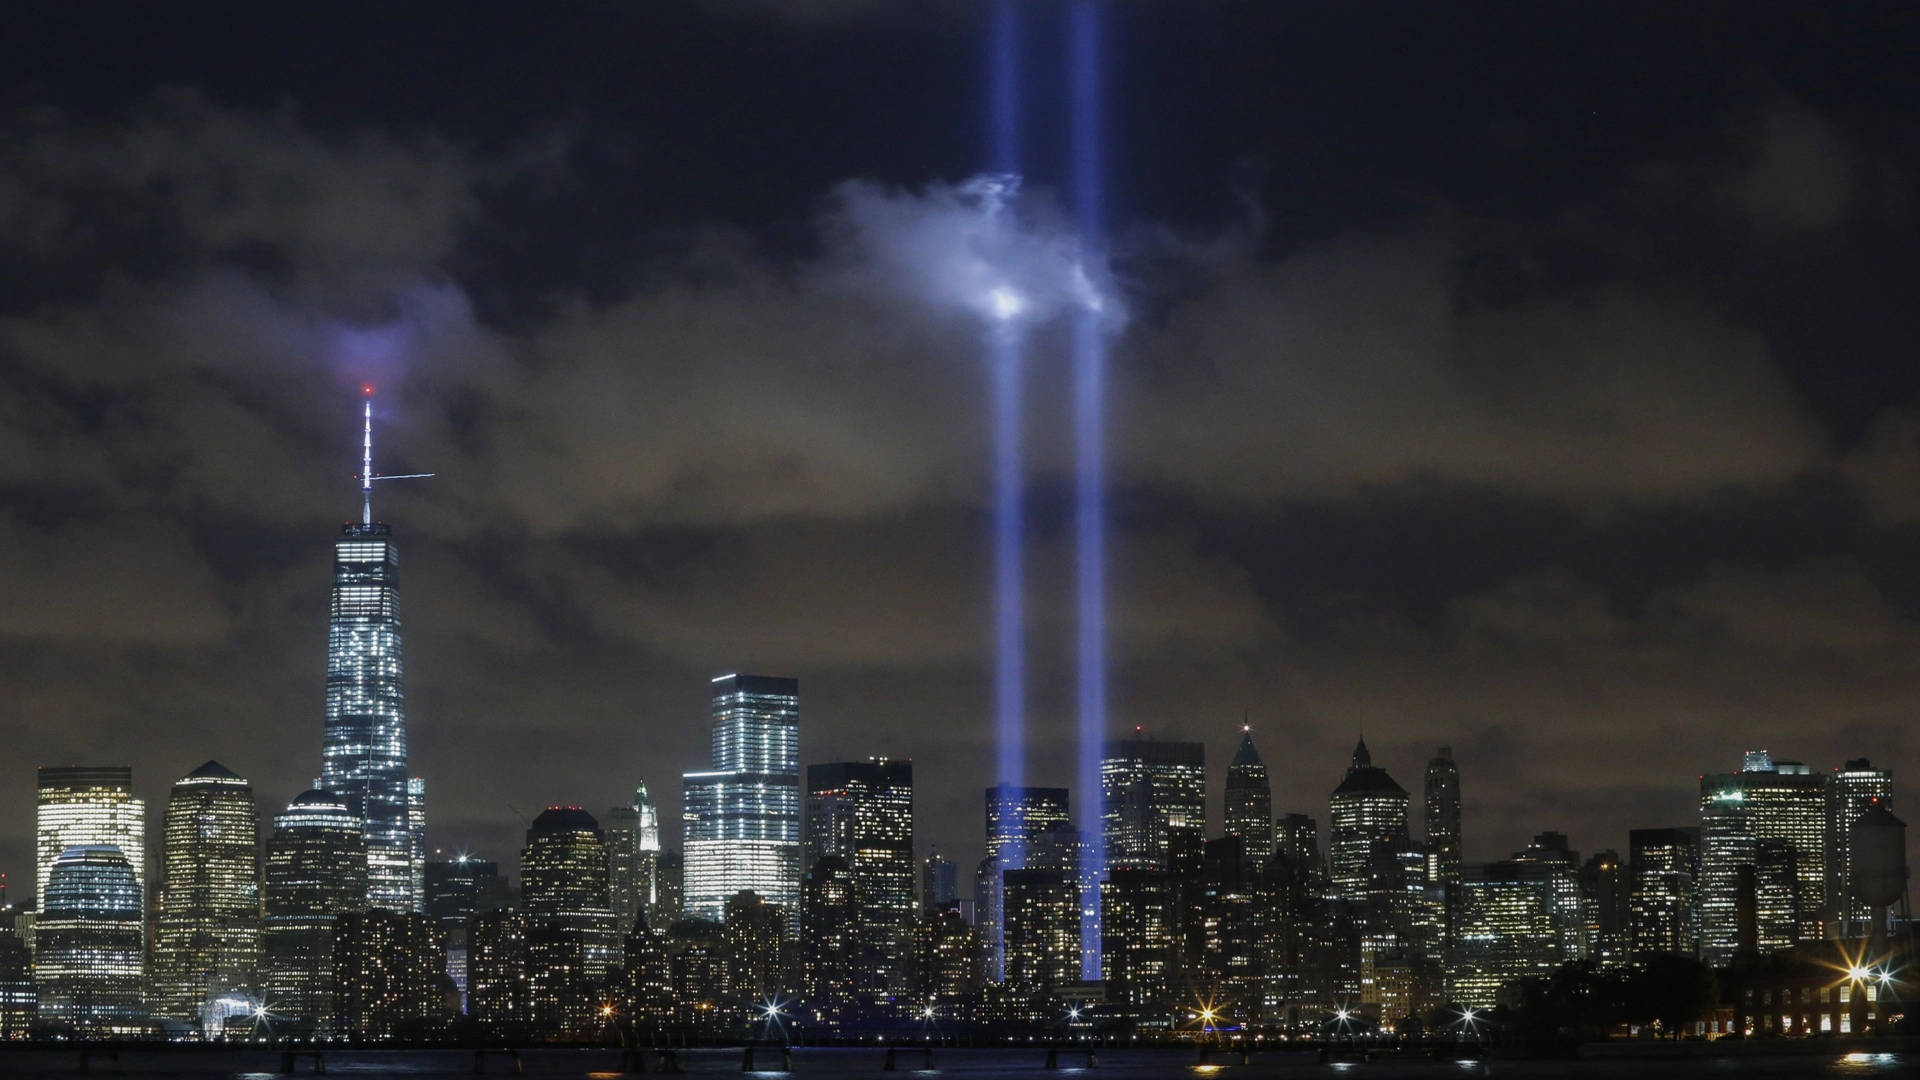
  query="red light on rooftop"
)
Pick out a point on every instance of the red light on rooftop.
point(367, 389)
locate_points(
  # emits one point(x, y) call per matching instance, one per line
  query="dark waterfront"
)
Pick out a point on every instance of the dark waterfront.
point(605, 1063)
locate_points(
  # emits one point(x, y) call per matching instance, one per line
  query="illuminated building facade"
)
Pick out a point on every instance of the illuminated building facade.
point(753, 942)
point(669, 907)
point(498, 988)
point(743, 815)
point(1663, 868)
point(1139, 918)
point(206, 933)
point(1368, 810)
point(364, 756)
point(1249, 800)
point(1017, 816)
point(389, 976)
point(1148, 787)
point(1042, 927)
point(835, 960)
point(1441, 817)
point(1851, 789)
point(316, 871)
point(17, 999)
point(89, 953)
point(87, 806)
point(417, 838)
point(571, 936)
point(947, 958)
point(1766, 800)
point(1508, 931)
point(862, 811)
point(1603, 904)
point(633, 858)
point(1561, 865)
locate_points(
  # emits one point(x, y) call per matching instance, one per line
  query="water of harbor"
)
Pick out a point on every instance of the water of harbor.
point(1016, 1064)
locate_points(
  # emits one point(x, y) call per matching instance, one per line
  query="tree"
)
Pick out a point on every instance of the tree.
point(1673, 991)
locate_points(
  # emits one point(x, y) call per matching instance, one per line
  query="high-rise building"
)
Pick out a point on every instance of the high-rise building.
point(862, 811)
point(1017, 817)
point(1663, 867)
point(1442, 820)
point(1249, 800)
point(316, 872)
point(1507, 930)
point(456, 890)
point(1139, 918)
point(87, 806)
point(17, 998)
point(834, 957)
point(939, 883)
point(1851, 789)
point(753, 941)
point(389, 976)
point(206, 933)
point(1765, 800)
point(1148, 787)
point(670, 908)
point(1042, 927)
point(1561, 866)
point(743, 815)
point(1367, 811)
point(417, 838)
point(563, 888)
point(947, 958)
point(498, 992)
point(1603, 901)
point(364, 755)
point(88, 957)
point(633, 857)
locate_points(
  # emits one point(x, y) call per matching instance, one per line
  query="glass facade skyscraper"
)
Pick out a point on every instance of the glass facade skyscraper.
point(87, 806)
point(1766, 801)
point(316, 871)
point(1148, 788)
point(862, 811)
point(1851, 789)
point(1249, 800)
point(1366, 811)
point(742, 816)
point(88, 958)
point(206, 933)
point(364, 755)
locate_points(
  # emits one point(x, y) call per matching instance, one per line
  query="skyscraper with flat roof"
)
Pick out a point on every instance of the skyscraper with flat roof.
point(316, 871)
point(1018, 819)
point(1766, 800)
point(87, 955)
point(743, 815)
point(206, 934)
point(1851, 789)
point(1147, 788)
point(1442, 821)
point(862, 812)
point(87, 806)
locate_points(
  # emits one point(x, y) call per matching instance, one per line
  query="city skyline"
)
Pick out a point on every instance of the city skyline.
point(1427, 421)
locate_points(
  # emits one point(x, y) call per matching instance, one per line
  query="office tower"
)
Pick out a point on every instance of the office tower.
point(1249, 800)
point(1765, 800)
point(206, 933)
point(316, 872)
point(88, 958)
point(1042, 929)
point(498, 990)
point(752, 942)
point(645, 988)
point(743, 815)
point(417, 839)
point(389, 975)
point(1851, 789)
point(1016, 817)
point(1146, 788)
point(1367, 810)
point(1508, 930)
point(1442, 821)
point(633, 857)
point(572, 938)
point(1663, 867)
point(459, 888)
point(87, 806)
point(835, 960)
point(1297, 838)
point(1604, 904)
point(1561, 864)
point(669, 908)
point(17, 1000)
point(1139, 918)
point(948, 960)
point(939, 883)
point(364, 755)
point(862, 811)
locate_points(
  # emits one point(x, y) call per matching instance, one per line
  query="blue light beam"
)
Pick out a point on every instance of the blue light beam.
point(1089, 392)
point(1005, 356)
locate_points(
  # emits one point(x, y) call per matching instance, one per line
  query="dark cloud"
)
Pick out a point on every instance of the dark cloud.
point(1529, 484)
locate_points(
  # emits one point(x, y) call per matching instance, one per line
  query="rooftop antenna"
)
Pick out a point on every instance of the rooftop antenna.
point(367, 475)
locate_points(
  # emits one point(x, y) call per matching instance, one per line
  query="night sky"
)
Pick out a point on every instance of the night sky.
point(1537, 379)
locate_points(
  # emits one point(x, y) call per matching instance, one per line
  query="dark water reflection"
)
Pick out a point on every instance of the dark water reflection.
point(1021, 1064)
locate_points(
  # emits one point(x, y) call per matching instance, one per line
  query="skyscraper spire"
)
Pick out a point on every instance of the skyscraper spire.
point(366, 461)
